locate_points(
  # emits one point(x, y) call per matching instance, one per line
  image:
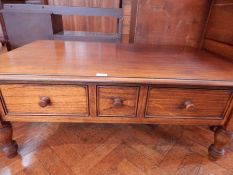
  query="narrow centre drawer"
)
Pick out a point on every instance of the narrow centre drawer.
point(117, 101)
point(45, 99)
point(186, 103)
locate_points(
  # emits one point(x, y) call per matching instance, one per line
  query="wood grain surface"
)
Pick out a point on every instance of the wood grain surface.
point(220, 25)
point(91, 24)
point(24, 99)
point(63, 81)
point(223, 2)
point(171, 22)
point(171, 102)
point(122, 61)
point(117, 101)
point(110, 149)
point(219, 35)
point(219, 48)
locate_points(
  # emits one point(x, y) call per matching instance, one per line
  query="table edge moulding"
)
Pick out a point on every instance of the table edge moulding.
point(57, 81)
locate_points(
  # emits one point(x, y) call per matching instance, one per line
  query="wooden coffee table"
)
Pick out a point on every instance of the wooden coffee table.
point(55, 81)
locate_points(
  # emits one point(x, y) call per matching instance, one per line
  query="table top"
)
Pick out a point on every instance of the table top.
point(92, 60)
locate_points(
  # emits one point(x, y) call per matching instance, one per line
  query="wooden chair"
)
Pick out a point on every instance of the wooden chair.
point(47, 20)
point(4, 39)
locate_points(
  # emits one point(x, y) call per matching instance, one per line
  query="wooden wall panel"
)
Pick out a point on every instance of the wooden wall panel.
point(219, 31)
point(219, 48)
point(220, 24)
point(223, 1)
point(175, 22)
point(91, 24)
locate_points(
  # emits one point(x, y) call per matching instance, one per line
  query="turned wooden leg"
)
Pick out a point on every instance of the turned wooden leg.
point(221, 138)
point(8, 146)
point(213, 128)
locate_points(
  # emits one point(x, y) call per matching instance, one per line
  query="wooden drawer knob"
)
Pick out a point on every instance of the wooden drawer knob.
point(44, 101)
point(117, 102)
point(189, 106)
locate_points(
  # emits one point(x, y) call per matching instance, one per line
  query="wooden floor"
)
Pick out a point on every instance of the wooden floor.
point(112, 149)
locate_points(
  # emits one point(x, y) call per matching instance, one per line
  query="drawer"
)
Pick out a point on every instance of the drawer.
point(186, 103)
point(117, 101)
point(43, 99)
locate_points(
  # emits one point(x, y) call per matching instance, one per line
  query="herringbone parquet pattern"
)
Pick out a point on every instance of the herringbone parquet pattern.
point(113, 149)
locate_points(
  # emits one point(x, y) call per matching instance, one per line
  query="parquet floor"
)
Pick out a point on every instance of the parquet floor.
point(113, 149)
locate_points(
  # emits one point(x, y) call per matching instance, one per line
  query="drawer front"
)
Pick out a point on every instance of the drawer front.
point(43, 99)
point(117, 101)
point(186, 103)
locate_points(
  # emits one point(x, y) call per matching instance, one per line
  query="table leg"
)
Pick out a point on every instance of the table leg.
point(8, 146)
point(221, 138)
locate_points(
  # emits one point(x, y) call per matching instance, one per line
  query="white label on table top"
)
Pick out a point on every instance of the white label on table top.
point(101, 75)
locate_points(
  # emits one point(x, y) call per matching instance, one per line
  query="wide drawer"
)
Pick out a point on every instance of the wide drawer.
point(117, 101)
point(45, 99)
point(186, 103)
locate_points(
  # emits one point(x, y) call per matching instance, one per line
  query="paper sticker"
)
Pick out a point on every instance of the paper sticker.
point(101, 75)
